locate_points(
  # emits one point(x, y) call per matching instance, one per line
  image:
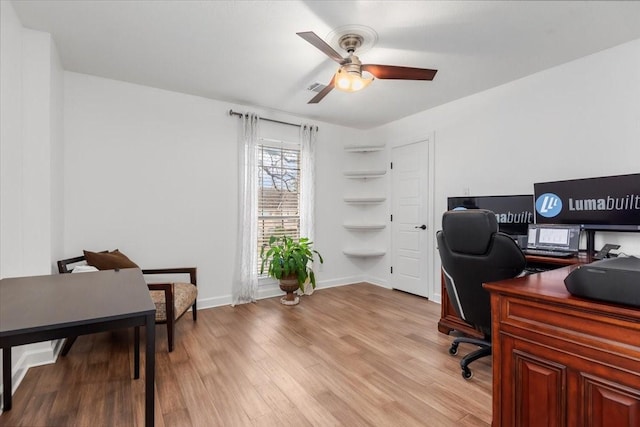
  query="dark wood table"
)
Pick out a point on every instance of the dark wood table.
point(42, 308)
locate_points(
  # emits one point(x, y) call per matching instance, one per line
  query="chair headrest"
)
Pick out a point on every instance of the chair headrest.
point(469, 231)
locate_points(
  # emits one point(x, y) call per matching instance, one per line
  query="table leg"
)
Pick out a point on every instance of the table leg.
point(6, 378)
point(150, 369)
point(136, 352)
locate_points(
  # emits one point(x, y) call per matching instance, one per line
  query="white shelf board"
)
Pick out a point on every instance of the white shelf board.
point(363, 148)
point(364, 226)
point(364, 253)
point(364, 200)
point(365, 173)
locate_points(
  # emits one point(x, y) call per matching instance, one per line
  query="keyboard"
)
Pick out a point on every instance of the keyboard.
point(544, 252)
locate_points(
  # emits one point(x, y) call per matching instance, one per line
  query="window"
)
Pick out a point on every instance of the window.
point(278, 166)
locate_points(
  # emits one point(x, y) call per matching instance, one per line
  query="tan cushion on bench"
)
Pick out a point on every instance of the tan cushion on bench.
point(184, 295)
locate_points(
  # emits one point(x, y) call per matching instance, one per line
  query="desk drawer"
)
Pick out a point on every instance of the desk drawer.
point(600, 331)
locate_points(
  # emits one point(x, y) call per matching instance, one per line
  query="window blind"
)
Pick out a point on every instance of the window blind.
point(278, 191)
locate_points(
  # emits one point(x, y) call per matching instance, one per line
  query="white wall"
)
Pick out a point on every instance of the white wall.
point(10, 141)
point(154, 173)
point(31, 135)
point(577, 120)
point(31, 124)
point(56, 143)
point(36, 153)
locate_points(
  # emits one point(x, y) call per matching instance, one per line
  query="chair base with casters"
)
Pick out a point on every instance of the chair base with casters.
point(172, 300)
point(484, 350)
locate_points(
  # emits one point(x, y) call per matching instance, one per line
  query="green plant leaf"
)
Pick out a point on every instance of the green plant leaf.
point(312, 279)
point(284, 256)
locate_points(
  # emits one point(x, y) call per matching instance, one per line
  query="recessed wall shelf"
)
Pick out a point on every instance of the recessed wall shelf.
point(364, 200)
point(361, 225)
point(363, 148)
point(365, 174)
point(364, 226)
point(364, 253)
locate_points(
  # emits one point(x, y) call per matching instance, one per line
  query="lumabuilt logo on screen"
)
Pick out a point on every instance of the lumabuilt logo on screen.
point(523, 217)
point(509, 217)
point(629, 202)
point(549, 205)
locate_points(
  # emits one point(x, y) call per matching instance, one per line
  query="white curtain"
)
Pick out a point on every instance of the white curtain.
point(308, 136)
point(245, 277)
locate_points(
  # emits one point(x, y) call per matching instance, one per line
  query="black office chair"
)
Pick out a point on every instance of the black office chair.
point(473, 252)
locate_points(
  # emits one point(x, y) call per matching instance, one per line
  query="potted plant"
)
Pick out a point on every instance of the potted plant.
point(288, 261)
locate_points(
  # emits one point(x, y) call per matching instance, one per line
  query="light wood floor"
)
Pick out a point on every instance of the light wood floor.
point(356, 355)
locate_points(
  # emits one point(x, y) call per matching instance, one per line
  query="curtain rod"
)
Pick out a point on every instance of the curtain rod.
point(235, 113)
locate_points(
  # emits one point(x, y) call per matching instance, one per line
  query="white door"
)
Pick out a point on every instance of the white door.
point(409, 234)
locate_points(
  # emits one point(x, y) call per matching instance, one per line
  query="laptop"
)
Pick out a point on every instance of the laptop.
point(553, 240)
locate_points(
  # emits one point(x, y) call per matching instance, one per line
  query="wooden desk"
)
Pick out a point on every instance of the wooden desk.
point(41, 308)
point(560, 360)
point(449, 319)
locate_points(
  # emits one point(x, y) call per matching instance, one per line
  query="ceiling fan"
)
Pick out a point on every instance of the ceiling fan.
point(349, 78)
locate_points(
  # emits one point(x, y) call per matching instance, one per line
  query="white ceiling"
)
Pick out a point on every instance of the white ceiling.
point(247, 52)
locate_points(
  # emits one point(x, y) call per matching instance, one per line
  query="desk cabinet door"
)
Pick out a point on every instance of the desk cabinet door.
point(533, 388)
point(546, 387)
point(605, 403)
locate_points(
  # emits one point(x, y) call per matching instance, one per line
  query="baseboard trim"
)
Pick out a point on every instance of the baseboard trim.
point(270, 289)
point(378, 282)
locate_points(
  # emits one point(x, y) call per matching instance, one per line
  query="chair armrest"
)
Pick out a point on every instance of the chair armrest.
point(192, 271)
point(168, 296)
point(167, 287)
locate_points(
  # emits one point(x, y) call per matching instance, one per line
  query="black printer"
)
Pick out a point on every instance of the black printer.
point(614, 280)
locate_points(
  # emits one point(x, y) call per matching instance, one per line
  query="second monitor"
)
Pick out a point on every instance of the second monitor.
point(513, 212)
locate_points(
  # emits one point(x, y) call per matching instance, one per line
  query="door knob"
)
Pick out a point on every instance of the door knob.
point(423, 227)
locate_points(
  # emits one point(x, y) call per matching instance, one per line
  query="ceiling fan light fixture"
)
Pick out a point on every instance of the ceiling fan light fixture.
point(350, 81)
point(348, 78)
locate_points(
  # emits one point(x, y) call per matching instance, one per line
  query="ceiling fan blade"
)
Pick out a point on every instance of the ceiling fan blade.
point(312, 38)
point(399, 73)
point(323, 92)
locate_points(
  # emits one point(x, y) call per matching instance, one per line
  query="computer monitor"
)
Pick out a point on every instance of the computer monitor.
point(610, 203)
point(513, 212)
point(556, 237)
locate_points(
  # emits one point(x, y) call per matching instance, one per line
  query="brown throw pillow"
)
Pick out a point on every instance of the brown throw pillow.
point(109, 260)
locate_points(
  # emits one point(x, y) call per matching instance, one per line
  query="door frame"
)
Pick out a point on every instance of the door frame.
point(433, 280)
